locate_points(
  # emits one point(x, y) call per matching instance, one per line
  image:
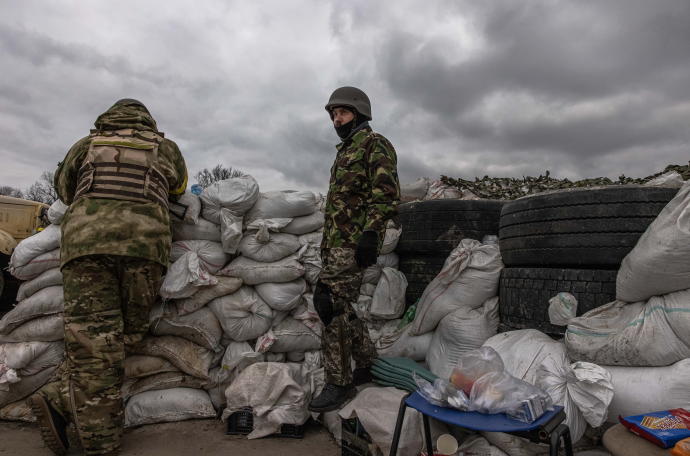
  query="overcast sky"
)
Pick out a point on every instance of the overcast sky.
point(462, 88)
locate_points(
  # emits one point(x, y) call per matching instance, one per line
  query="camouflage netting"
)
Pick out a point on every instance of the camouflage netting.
point(509, 188)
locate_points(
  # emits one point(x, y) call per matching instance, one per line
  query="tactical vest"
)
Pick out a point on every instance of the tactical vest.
point(123, 165)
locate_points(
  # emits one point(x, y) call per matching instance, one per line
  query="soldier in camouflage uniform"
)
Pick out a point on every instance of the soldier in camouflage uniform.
point(116, 241)
point(362, 196)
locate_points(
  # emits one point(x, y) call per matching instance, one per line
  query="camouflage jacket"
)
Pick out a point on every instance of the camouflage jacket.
point(94, 226)
point(364, 190)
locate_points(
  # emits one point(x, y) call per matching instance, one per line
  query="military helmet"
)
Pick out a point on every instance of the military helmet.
point(352, 97)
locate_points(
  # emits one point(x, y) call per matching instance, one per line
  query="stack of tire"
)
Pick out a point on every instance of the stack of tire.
point(432, 229)
point(569, 241)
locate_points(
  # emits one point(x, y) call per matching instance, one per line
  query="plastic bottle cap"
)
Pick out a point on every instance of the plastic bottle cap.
point(446, 444)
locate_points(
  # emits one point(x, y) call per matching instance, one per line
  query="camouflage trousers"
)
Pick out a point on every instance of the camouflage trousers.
point(107, 304)
point(346, 336)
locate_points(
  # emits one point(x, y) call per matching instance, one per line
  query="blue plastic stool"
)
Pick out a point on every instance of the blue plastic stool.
point(546, 429)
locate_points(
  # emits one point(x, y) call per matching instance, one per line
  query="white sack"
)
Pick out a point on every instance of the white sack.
point(37, 265)
point(243, 314)
point(23, 359)
point(187, 208)
point(162, 381)
point(254, 272)
point(562, 309)
point(291, 336)
point(655, 333)
point(201, 327)
point(372, 274)
point(47, 301)
point(479, 446)
point(187, 356)
point(42, 329)
point(49, 278)
point(660, 262)
point(282, 296)
point(267, 248)
point(33, 246)
point(402, 344)
point(237, 194)
point(388, 300)
point(469, 277)
point(390, 240)
point(210, 253)
point(305, 224)
point(26, 386)
point(644, 389)
point(458, 332)
point(362, 307)
point(56, 212)
point(277, 393)
point(314, 238)
point(230, 230)
point(310, 257)
point(162, 406)
point(206, 294)
point(202, 229)
point(367, 289)
point(184, 277)
point(285, 204)
point(138, 366)
point(416, 190)
point(671, 179)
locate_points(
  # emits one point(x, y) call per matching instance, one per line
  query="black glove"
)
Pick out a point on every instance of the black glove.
point(367, 249)
point(323, 303)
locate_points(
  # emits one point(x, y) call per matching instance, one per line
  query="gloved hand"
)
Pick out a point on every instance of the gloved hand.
point(367, 249)
point(323, 303)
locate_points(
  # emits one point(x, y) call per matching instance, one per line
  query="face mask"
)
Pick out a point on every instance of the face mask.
point(345, 129)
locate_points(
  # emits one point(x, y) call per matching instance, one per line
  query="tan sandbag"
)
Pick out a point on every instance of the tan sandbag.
point(225, 286)
point(137, 366)
point(17, 411)
point(162, 381)
point(201, 327)
point(187, 356)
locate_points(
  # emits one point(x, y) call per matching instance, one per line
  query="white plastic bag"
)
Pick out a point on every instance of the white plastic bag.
point(47, 301)
point(202, 229)
point(660, 262)
point(49, 278)
point(237, 194)
point(388, 300)
point(33, 246)
point(255, 272)
point(282, 296)
point(285, 204)
point(562, 309)
point(469, 277)
point(162, 406)
point(187, 208)
point(267, 248)
point(37, 265)
point(243, 314)
point(56, 212)
point(305, 224)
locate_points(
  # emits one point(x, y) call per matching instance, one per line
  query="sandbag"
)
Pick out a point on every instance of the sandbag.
point(162, 406)
point(310, 257)
point(459, 332)
point(237, 194)
point(25, 387)
point(305, 224)
point(49, 278)
point(583, 389)
point(267, 248)
point(416, 190)
point(660, 261)
point(469, 277)
point(372, 274)
point(367, 289)
point(33, 246)
point(201, 327)
point(202, 229)
point(390, 240)
point(206, 294)
point(47, 301)
point(314, 238)
point(42, 329)
point(138, 366)
point(255, 272)
point(282, 296)
point(292, 336)
point(655, 333)
point(644, 389)
point(187, 208)
point(194, 262)
point(19, 360)
point(165, 380)
point(210, 253)
point(56, 212)
point(37, 265)
point(388, 300)
point(403, 344)
point(230, 230)
point(283, 204)
point(17, 411)
point(243, 314)
point(187, 356)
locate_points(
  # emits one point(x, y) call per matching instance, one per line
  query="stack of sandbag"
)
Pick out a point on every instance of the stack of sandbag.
point(31, 333)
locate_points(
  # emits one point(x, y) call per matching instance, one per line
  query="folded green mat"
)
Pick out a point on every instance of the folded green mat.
point(399, 380)
point(404, 366)
point(396, 385)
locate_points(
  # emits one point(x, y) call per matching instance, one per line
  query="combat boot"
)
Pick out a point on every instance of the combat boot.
point(332, 397)
point(52, 425)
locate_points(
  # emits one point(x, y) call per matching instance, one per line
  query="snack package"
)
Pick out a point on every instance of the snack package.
point(664, 428)
point(472, 365)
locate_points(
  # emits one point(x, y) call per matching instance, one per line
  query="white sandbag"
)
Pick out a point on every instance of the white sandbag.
point(165, 380)
point(56, 212)
point(478, 445)
point(372, 274)
point(362, 307)
point(237, 194)
point(314, 238)
point(305, 224)
point(19, 360)
point(202, 229)
point(291, 336)
point(389, 260)
point(583, 389)
point(138, 366)
point(33, 246)
point(255, 272)
point(37, 265)
point(187, 356)
point(390, 240)
point(380, 328)
point(285, 204)
point(49, 278)
point(655, 333)
point(230, 230)
point(282, 296)
point(201, 327)
point(643, 389)
point(402, 344)
point(206, 294)
point(367, 289)
point(243, 314)
point(25, 387)
point(42, 329)
point(562, 308)
point(47, 301)
point(163, 406)
point(278, 394)
point(439, 190)
point(267, 248)
point(672, 179)
point(388, 300)
point(210, 253)
point(415, 191)
point(187, 208)
point(459, 332)
point(17, 411)
point(310, 257)
point(184, 277)
point(469, 277)
point(660, 262)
